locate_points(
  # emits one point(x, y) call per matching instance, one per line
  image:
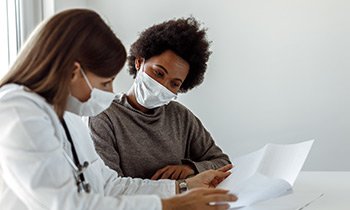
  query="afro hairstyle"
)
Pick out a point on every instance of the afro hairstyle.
point(184, 37)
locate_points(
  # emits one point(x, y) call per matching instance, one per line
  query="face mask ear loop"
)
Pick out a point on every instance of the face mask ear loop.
point(86, 79)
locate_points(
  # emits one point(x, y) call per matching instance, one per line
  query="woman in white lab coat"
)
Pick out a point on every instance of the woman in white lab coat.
point(47, 159)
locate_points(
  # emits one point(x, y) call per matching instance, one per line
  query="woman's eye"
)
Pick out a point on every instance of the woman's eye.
point(175, 84)
point(158, 73)
point(106, 84)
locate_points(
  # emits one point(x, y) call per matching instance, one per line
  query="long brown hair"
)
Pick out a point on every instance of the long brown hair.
point(46, 62)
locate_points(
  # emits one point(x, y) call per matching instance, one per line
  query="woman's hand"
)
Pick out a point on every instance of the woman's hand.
point(173, 172)
point(209, 178)
point(199, 199)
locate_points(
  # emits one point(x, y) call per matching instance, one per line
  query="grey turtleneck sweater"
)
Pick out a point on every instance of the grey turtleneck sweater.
point(137, 144)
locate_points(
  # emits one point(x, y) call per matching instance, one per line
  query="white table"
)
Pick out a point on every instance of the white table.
point(334, 184)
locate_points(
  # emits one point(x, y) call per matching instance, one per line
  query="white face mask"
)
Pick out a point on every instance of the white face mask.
point(149, 93)
point(98, 102)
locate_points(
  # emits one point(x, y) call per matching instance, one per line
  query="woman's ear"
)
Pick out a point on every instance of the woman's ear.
point(76, 71)
point(138, 63)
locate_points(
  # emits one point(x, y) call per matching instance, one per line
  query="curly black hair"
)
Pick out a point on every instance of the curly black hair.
point(184, 37)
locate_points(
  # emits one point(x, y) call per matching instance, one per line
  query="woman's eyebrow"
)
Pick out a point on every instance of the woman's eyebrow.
point(162, 67)
point(111, 79)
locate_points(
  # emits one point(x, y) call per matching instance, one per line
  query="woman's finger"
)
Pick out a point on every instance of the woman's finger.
point(219, 207)
point(167, 173)
point(209, 191)
point(220, 174)
point(226, 168)
point(159, 173)
point(215, 198)
point(183, 175)
point(215, 182)
point(176, 174)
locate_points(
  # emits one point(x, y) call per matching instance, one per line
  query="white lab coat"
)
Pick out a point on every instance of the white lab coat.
point(36, 174)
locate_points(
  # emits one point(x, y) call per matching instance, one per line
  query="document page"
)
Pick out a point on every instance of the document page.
point(267, 173)
point(295, 201)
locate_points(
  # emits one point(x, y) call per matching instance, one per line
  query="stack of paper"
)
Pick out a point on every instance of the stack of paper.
point(267, 173)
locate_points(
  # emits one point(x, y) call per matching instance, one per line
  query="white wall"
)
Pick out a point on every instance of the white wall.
point(31, 16)
point(279, 71)
point(60, 5)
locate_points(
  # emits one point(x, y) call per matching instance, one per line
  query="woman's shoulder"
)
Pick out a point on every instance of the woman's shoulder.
point(179, 109)
point(21, 97)
point(16, 92)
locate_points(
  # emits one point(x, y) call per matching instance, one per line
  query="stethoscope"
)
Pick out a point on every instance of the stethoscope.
point(82, 184)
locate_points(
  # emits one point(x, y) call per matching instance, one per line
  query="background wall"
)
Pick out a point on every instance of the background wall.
point(279, 71)
point(60, 5)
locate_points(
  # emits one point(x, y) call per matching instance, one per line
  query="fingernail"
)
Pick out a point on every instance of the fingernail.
point(233, 197)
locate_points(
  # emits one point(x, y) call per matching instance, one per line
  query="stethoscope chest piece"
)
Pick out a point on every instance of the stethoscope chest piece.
point(81, 183)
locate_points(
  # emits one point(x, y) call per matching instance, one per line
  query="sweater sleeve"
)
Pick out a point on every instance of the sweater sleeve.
point(202, 152)
point(102, 133)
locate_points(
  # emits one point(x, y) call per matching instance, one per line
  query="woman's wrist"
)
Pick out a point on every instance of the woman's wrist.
point(166, 204)
point(182, 186)
point(189, 182)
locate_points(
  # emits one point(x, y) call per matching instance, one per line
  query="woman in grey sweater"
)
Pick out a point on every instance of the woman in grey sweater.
point(145, 133)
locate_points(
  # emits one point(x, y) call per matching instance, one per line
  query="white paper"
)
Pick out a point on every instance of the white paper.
point(267, 173)
point(295, 201)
